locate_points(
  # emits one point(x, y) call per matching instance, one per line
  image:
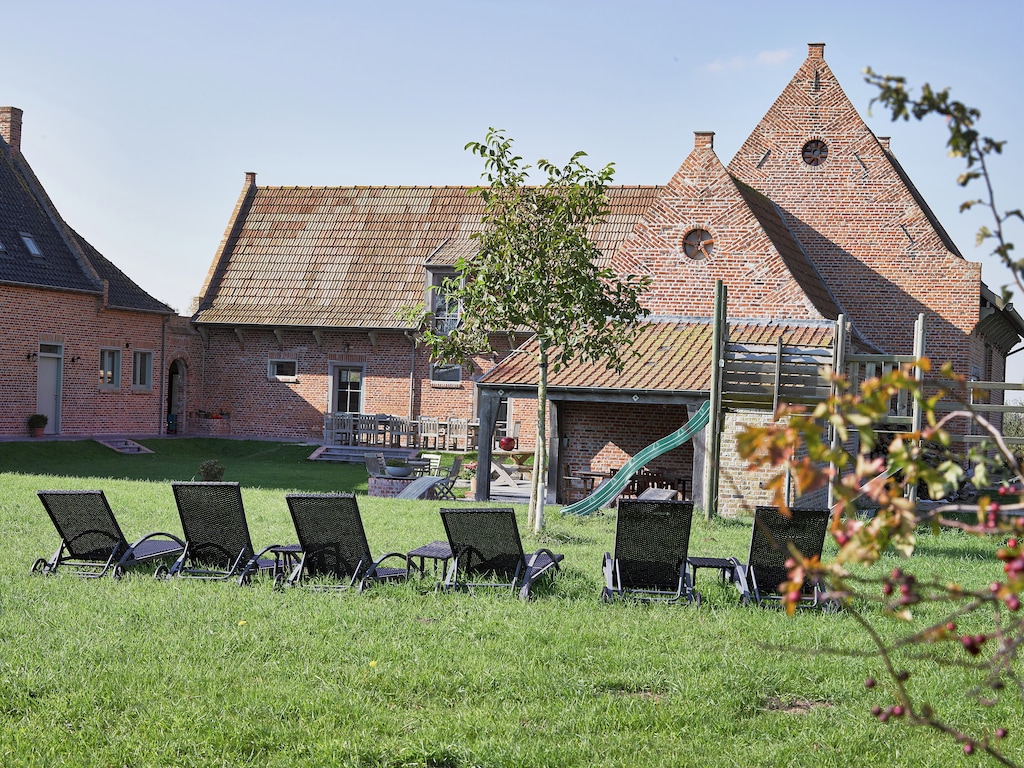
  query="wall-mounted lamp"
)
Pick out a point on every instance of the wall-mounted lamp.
point(76, 358)
point(127, 345)
point(31, 355)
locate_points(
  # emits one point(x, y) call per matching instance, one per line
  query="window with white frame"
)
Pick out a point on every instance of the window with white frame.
point(142, 369)
point(446, 310)
point(285, 370)
point(445, 375)
point(110, 368)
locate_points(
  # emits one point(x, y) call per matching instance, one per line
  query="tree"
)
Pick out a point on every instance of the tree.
point(984, 624)
point(535, 270)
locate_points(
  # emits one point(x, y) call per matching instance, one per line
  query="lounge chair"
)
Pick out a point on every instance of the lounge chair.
point(92, 543)
point(375, 464)
point(333, 544)
point(487, 551)
point(445, 488)
point(651, 543)
point(759, 578)
point(217, 541)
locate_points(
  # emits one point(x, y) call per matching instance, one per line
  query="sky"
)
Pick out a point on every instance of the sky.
point(142, 118)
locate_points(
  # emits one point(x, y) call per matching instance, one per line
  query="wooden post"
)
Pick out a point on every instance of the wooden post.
point(713, 443)
point(917, 420)
point(838, 369)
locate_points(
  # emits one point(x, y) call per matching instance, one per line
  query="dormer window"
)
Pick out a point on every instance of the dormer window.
point(443, 306)
point(30, 243)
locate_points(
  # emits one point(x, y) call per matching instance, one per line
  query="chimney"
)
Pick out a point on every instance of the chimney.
point(816, 50)
point(250, 178)
point(704, 140)
point(884, 141)
point(10, 126)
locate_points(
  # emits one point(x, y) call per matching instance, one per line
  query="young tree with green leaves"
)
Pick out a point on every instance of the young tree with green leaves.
point(536, 270)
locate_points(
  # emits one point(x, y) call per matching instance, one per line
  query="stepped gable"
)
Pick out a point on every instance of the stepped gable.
point(752, 250)
point(353, 257)
point(859, 219)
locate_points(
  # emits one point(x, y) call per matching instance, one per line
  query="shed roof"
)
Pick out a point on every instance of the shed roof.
point(669, 355)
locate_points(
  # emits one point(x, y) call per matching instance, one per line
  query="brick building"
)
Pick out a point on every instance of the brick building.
point(301, 312)
point(82, 343)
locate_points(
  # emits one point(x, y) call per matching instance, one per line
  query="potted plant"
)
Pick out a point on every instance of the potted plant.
point(37, 423)
point(397, 468)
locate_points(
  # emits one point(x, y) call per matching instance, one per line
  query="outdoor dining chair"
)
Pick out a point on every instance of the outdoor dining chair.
point(91, 541)
point(429, 431)
point(217, 541)
point(334, 553)
point(652, 539)
point(488, 552)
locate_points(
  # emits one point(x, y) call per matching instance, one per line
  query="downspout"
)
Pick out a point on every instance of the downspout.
point(412, 373)
point(161, 422)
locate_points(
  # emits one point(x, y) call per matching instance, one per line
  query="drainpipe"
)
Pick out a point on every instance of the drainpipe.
point(412, 373)
point(161, 422)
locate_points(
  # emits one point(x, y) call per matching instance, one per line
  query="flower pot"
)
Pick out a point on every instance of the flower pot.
point(398, 471)
point(37, 431)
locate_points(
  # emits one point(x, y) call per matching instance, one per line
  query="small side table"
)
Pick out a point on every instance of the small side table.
point(723, 564)
point(438, 551)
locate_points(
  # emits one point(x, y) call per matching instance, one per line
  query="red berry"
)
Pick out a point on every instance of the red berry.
point(969, 748)
point(897, 711)
point(869, 683)
point(1012, 543)
point(1013, 602)
point(1000, 733)
point(951, 626)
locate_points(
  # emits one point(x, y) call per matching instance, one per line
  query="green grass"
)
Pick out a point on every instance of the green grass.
point(148, 673)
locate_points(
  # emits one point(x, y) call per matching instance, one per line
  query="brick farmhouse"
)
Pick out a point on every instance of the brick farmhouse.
point(300, 315)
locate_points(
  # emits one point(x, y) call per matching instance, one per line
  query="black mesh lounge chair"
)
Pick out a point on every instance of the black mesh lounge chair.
point(217, 542)
point(651, 542)
point(489, 553)
point(91, 540)
point(759, 579)
point(333, 544)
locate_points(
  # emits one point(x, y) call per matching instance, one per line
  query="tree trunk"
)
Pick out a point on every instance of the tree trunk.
point(538, 483)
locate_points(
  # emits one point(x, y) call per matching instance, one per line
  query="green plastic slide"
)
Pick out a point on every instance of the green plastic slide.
point(611, 488)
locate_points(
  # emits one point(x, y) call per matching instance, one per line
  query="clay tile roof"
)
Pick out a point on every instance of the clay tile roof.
point(352, 257)
point(122, 292)
point(671, 355)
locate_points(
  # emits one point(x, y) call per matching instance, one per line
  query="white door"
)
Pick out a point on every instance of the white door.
point(48, 380)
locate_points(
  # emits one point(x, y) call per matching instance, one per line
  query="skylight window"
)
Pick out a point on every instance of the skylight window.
point(30, 243)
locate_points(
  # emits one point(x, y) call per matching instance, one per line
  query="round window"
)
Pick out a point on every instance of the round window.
point(698, 244)
point(815, 152)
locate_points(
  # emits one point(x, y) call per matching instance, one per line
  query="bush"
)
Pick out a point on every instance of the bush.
point(211, 470)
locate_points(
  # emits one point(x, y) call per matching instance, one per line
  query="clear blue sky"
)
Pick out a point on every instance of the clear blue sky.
point(141, 118)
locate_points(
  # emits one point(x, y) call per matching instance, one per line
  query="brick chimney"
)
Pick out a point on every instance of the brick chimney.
point(10, 126)
point(816, 50)
point(704, 140)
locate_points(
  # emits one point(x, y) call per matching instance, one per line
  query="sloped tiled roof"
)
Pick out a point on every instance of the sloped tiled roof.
point(21, 210)
point(352, 257)
point(67, 262)
point(670, 356)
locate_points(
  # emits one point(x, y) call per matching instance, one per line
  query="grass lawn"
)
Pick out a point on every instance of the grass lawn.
point(148, 673)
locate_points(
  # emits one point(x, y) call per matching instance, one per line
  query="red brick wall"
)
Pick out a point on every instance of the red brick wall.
point(31, 316)
point(234, 380)
point(867, 234)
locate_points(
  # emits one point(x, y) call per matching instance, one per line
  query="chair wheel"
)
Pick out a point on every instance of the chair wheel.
point(161, 572)
point(279, 580)
point(118, 572)
point(39, 566)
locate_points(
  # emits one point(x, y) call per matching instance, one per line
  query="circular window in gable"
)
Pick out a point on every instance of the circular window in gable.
point(698, 244)
point(815, 152)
